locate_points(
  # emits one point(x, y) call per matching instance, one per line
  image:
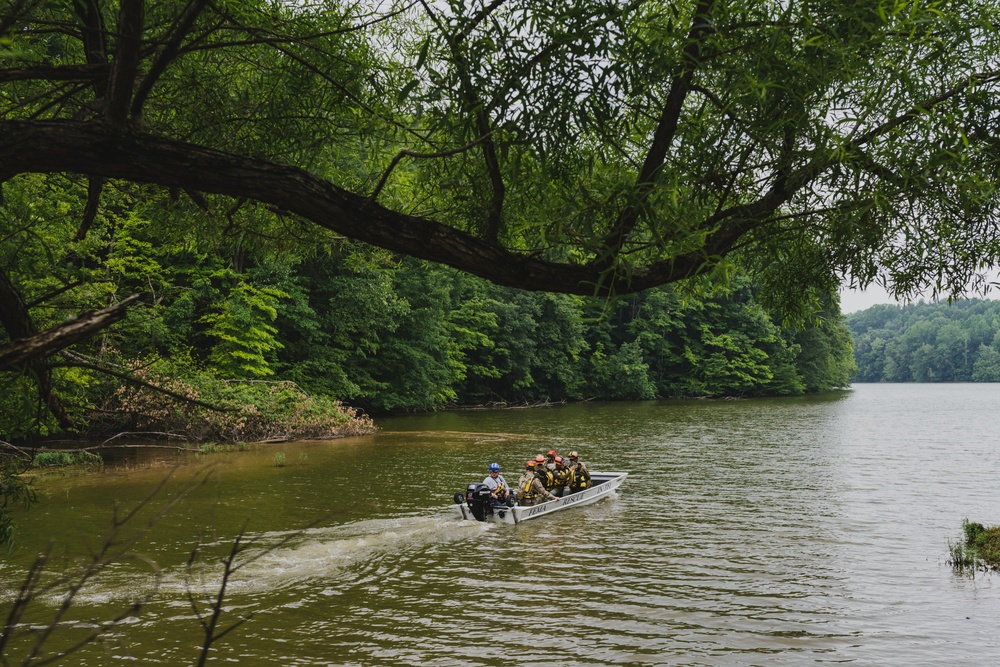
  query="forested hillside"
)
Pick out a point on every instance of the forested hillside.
point(264, 301)
point(928, 342)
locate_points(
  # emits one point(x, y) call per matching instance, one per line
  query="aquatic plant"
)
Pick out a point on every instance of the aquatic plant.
point(279, 459)
point(980, 548)
point(52, 459)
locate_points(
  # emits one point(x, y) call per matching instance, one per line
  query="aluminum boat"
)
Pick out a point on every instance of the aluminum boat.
point(476, 504)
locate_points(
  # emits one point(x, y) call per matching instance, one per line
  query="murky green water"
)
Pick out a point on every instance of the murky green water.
point(766, 532)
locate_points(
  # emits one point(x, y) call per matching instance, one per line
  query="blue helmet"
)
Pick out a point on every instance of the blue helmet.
point(494, 467)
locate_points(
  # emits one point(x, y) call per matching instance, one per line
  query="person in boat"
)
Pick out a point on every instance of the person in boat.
point(497, 485)
point(542, 471)
point(560, 477)
point(579, 475)
point(525, 479)
point(550, 460)
point(530, 490)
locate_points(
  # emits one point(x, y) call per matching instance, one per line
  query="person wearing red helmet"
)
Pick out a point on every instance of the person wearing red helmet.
point(560, 476)
point(550, 465)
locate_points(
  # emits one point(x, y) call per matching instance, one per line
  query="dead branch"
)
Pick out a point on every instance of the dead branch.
point(38, 346)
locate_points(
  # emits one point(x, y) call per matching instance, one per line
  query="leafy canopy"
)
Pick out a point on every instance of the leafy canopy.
point(580, 147)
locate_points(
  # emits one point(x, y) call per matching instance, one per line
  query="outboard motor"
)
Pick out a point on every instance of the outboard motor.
point(480, 501)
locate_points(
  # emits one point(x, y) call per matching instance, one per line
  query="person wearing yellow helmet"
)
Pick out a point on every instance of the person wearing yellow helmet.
point(579, 475)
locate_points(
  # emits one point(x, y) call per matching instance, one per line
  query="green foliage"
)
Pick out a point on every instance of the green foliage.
point(928, 342)
point(348, 323)
point(757, 152)
point(980, 549)
point(605, 141)
point(623, 375)
point(244, 336)
point(46, 459)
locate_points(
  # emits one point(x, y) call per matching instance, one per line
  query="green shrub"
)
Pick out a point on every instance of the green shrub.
point(51, 459)
point(981, 548)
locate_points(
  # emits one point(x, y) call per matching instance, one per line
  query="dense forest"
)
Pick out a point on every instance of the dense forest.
point(928, 342)
point(264, 302)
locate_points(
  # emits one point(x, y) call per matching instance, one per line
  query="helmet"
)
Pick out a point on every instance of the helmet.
point(494, 467)
point(529, 464)
point(540, 459)
point(559, 460)
point(574, 454)
point(551, 452)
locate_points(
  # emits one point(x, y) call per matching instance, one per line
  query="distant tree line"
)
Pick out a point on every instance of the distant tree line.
point(928, 342)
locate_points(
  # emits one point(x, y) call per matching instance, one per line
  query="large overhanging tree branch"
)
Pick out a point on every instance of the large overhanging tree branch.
point(607, 173)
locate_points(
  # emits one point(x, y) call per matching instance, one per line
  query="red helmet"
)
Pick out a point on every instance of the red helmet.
point(551, 452)
point(529, 464)
point(559, 460)
point(540, 459)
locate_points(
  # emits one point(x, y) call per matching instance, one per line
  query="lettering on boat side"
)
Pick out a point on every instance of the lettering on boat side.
point(568, 500)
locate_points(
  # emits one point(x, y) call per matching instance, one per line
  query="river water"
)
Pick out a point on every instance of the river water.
point(754, 532)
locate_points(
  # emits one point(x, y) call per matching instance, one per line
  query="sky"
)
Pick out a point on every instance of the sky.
point(854, 300)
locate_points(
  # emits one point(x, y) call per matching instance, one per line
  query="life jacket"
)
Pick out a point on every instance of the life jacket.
point(501, 490)
point(562, 477)
point(528, 489)
point(548, 479)
point(579, 478)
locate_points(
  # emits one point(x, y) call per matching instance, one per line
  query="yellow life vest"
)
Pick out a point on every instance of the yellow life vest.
point(578, 482)
point(548, 479)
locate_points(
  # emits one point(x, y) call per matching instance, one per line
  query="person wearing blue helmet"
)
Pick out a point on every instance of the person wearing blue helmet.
point(497, 485)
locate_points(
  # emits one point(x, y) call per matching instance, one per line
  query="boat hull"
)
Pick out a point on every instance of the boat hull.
point(604, 484)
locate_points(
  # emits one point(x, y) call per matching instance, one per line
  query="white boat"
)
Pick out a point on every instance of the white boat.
point(477, 505)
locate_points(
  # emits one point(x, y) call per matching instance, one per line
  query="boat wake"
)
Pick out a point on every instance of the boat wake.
point(278, 560)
